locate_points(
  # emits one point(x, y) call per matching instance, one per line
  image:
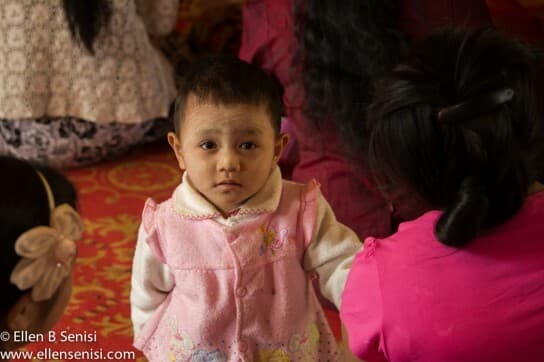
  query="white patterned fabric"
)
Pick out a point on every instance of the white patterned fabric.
point(45, 73)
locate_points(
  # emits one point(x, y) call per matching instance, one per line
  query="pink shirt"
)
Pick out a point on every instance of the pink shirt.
point(410, 298)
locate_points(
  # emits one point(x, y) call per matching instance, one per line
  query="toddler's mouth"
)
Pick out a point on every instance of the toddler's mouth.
point(228, 184)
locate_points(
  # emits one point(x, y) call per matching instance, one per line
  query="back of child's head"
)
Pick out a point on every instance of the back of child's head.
point(227, 80)
point(24, 205)
point(460, 123)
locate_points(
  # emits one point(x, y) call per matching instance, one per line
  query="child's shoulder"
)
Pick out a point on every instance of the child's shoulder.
point(409, 234)
point(152, 204)
point(309, 192)
point(152, 207)
point(310, 185)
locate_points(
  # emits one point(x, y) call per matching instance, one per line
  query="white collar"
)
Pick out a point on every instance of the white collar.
point(190, 203)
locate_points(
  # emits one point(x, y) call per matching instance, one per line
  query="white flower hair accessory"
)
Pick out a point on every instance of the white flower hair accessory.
point(47, 252)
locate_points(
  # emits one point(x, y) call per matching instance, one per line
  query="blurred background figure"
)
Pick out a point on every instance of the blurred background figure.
point(40, 228)
point(81, 80)
point(203, 27)
point(521, 18)
point(326, 55)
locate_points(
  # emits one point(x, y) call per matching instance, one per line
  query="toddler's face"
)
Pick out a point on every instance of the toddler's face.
point(228, 151)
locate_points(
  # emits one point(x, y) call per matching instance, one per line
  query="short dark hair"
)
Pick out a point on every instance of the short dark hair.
point(460, 123)
point(226, 79)
point(24, 205)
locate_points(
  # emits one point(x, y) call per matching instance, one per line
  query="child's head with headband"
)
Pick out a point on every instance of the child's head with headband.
point(460, 124)
point(39, 229)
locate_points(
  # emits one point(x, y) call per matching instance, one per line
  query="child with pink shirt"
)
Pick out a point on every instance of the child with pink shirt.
point(460, 124)
point(223, 269)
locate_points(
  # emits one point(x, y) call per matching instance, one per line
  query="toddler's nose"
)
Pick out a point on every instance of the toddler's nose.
point(228, 162)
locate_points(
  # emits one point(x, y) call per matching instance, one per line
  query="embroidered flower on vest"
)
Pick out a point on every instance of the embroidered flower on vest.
point(180, 343)
point(306, 343)
point(276, 355)
point(272, 240)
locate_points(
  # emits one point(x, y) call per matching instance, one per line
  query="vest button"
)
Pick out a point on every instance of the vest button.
point(241, 292)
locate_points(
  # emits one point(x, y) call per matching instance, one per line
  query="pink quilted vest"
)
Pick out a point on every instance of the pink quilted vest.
point(241, 293)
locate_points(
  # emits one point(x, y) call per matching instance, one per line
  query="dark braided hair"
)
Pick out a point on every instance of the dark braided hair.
point(461, 124)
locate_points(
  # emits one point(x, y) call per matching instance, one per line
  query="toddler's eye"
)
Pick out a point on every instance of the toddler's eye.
point(208, 145)
point(248, 145)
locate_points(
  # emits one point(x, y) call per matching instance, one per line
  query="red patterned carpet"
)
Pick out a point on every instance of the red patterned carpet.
point(111, 197)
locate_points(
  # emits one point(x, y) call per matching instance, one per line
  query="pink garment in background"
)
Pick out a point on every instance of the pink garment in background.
point(268, 40)
point(410, 298)
point(420, 17)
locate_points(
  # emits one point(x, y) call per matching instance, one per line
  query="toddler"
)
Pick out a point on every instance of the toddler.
point(223, 269)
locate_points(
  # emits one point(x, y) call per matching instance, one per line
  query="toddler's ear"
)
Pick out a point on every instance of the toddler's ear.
point(281, 143)
point(175, 144)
